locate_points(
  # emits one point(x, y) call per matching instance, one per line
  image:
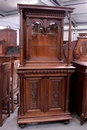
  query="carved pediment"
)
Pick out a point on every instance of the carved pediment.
point(80, 52)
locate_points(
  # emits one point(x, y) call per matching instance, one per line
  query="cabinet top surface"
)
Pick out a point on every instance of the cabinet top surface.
point(83, 63)
point(40, 7)
point(54, 67)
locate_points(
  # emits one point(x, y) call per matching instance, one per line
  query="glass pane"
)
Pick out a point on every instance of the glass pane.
point(44, 41)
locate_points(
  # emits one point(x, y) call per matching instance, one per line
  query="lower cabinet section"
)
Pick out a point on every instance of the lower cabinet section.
point(44, 95)
point(79, 91)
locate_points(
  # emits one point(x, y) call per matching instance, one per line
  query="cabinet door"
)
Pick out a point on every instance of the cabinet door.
point(12, 38)
point(56, 94)
point(33, 97)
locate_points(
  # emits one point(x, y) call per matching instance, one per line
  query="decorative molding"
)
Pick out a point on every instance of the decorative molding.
point(44, 14)
point(27, 71)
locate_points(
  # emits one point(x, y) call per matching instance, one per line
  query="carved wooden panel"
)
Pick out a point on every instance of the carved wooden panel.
point(33, 93)
point(56, 92)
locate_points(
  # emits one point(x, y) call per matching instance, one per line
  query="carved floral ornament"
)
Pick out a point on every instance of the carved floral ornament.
point(80, 51)
point(38, 28)
point(43, 26)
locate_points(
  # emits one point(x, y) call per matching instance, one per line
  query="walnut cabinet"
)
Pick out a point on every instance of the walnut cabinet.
point(79, 79)
point(80, 90)
point(44, 95)
point(44, 74)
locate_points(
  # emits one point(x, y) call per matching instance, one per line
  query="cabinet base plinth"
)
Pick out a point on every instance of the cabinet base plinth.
point(37, 119)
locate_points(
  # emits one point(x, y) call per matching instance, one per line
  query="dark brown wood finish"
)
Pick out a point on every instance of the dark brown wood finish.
point(78, 92)
point(79, 101)
point(44, 74)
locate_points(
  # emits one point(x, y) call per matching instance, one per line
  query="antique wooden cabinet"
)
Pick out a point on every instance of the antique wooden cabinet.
point(79, 78)
point(9, 35)
point(44, 75)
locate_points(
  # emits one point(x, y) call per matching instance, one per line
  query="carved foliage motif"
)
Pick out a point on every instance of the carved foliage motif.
point(83, 49)
point(46, 27)
point(55, 94)
point(33, 99)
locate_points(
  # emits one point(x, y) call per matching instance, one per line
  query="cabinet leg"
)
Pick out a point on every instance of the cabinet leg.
point(22, 125)
point(82, 119)
point(66, 122)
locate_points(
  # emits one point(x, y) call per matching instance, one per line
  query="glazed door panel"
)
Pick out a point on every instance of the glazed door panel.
point(34, 94)
point(56, 93)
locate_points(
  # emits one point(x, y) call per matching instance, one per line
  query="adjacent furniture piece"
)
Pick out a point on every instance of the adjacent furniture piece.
point(83, 34)
point(44, 75)
point(8, 44)
point(80, 90)
point(79, 79)
point(14, 86)
point(9, 51)
point(4, 91)
point(9, 35)
point(2, 47)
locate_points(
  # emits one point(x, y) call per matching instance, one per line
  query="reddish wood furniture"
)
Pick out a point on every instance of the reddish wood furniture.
point(9, 35)
point(4, 91)
point(14, 86)
point(79, 78)
point(78, 85)
point(2, 47)
point(44, 75)
point(9, 51)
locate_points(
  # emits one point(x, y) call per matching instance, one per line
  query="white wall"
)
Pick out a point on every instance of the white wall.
point(75, 31)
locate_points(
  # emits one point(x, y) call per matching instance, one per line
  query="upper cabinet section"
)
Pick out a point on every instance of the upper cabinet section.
point(41, 33)
point(9, 35)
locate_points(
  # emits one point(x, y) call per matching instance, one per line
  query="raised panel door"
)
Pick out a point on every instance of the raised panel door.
point(56, 94)
point(34, 97)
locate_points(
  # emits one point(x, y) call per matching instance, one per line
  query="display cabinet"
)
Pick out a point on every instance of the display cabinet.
point(44, 74)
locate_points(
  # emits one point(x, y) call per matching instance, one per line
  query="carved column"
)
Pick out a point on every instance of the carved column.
point(27, 38)
point(69, 40)
point(21, 38)
point(21, 96)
